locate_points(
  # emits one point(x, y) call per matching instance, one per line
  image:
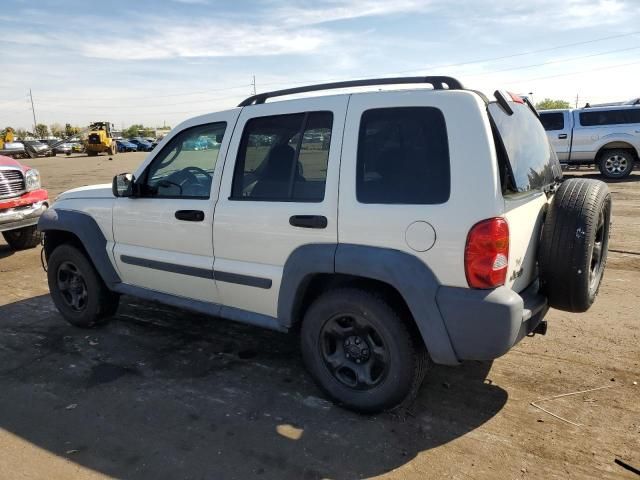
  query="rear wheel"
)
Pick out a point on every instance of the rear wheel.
point(23, 238)
point(575, 242)
point(361, 352)
point(77, 290)
point(617, 163)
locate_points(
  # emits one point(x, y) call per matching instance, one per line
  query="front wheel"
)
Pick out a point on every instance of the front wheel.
point(77, 290)
point(616, 163)
point(361, 352)
point(23, 238)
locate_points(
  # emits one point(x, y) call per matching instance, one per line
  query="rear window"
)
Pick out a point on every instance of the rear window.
point(521, 138)
point(610, 117)
point(552, 120)
point(403, 157)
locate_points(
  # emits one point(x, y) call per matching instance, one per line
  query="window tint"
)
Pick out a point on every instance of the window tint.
point(610, 117)
point(284, 158)
point(403, 157)
point(184, 168)
point(552, 121)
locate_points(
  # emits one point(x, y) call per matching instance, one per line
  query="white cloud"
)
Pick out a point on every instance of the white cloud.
point(346, 10)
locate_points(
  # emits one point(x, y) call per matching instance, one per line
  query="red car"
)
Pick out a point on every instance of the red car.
point(22, 201)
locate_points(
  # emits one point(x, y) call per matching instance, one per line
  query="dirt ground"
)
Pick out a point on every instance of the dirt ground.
point(160, 393)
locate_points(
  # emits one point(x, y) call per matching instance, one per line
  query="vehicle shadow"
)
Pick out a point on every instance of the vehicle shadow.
point(5, 251)
point(161, 393)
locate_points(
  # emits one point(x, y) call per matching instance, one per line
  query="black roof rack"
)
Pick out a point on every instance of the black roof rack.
point(438, 82)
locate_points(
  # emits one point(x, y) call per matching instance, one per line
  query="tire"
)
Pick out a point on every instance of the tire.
point(23, 238)
point(77, 290)
point(350, 330)
point(574, 245)
point(616, 163)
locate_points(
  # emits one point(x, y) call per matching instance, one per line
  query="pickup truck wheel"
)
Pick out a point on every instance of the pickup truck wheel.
point(23, 238)
point(575, 242)
point(361, 352)
point(77, 290)
point(616, 163)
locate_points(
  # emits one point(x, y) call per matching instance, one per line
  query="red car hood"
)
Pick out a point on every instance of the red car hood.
point(9, 162)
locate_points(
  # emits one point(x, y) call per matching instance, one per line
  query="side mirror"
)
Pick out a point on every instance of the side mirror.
point(123, 185)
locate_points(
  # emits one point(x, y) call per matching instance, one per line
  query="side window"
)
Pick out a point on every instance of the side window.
point(633, 115)
point(602, 117)
point(552, 121)
point(403, 157)
point(184, 168)
point(283, 158)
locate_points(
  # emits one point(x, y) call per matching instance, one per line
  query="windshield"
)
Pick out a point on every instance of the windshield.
point(534, 164)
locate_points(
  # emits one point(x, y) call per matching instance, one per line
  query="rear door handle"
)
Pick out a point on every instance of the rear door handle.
point(308, 221)
point(562, 136)
point(190, 215)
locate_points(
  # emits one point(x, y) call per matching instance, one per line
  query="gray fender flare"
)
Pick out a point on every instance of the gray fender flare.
point(414, 281)
point(88, 232)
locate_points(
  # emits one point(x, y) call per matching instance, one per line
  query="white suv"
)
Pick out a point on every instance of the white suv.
point(390, 229)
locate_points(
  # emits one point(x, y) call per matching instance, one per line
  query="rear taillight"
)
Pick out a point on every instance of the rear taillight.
point(486, 255)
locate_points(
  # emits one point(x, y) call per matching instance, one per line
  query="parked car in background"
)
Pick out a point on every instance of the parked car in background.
point(14, 150)
point(608, 137)
point(36, 148)
point(77, 147)
point(142, 144)
point(64, 148)
point(126, 146)
point(22, 202)
point(51, 143)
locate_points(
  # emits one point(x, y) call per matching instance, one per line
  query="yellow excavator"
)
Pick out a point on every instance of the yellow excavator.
point(6, 136)
point(100, 139)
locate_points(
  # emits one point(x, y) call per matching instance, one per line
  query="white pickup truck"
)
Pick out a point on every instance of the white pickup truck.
point(608, 137)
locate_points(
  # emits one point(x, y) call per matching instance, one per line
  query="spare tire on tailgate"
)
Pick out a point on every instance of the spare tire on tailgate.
point(575, 241)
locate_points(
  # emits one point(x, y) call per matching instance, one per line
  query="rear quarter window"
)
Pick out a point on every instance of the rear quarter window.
point(403, 157)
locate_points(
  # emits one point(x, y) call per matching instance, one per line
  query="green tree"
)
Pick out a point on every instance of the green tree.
point(138, 130)
point(42, 131)
point(70, 131)
point(548, 104)
point(21, 133)
point(56, 129)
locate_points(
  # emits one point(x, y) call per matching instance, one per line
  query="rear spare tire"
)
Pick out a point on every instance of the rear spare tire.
point(574, 245)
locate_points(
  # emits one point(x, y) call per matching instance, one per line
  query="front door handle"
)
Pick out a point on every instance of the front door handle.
point(308, 221)
point(562, 136)
point(190, 215)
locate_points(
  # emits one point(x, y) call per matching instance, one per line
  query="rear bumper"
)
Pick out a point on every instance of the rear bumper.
point(23, 211)
point(485, 324)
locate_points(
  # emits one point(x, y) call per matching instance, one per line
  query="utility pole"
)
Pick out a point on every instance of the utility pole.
point(34, 113)
point(253, 84)
point(577, 100)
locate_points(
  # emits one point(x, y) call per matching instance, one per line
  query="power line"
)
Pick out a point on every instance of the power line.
point(567, 59)
point(577, 73)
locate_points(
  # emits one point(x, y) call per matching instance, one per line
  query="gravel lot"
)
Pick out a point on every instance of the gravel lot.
point(159, 393)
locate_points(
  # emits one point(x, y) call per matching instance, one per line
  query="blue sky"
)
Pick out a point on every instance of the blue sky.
point(143, 61)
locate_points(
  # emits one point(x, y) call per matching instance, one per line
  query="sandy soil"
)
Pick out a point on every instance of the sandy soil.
point(159, 393)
